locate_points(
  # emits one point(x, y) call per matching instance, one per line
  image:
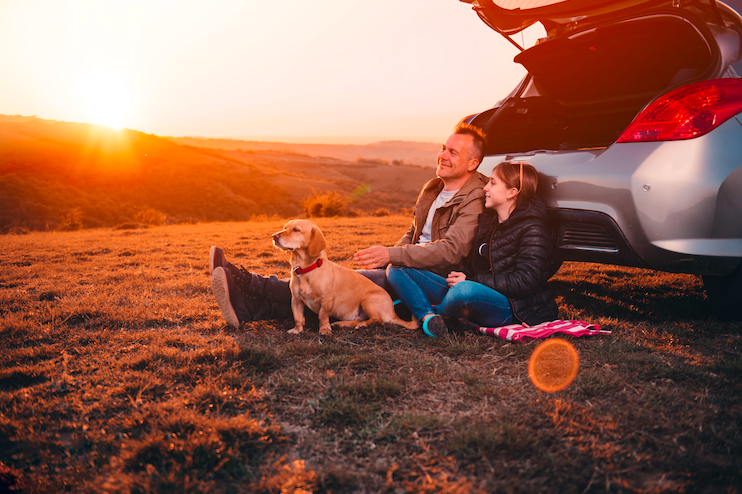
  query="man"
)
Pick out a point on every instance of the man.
point(440, 237)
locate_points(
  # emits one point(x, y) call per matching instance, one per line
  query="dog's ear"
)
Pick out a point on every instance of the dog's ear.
point(316, 242)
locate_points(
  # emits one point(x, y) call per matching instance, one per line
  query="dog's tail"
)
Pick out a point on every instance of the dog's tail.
point(407, 324)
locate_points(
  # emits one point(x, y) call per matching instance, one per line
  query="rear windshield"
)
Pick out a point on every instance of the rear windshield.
point(736, 5)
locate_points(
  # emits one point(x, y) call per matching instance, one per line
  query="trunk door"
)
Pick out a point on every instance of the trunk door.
point(509, 17)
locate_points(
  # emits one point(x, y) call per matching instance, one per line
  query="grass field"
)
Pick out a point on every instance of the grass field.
point(118, 374)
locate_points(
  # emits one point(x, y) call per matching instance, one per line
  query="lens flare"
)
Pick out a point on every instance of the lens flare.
point(553, 365)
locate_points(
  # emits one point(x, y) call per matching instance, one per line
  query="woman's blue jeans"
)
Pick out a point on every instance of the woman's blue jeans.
point(428, 293)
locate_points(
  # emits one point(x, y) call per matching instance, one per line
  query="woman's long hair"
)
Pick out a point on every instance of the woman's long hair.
point(520, 175)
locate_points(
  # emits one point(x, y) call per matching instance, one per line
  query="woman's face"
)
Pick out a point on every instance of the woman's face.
point(496, 193)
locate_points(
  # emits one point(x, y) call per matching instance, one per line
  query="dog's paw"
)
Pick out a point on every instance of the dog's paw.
point(325, 331)
point(295, 331)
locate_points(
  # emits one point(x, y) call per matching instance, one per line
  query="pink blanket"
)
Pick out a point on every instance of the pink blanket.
point(516, 332)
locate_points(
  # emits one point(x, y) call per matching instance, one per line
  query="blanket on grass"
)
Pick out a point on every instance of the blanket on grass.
point(516, 332)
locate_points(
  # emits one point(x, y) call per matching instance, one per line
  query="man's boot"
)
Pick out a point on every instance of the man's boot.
point(251, 297)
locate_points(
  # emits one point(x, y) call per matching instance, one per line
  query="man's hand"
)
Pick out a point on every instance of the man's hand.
point(454, 277)
point(373, 257)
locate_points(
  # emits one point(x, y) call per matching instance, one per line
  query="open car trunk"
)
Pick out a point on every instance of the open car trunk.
point(583, 89)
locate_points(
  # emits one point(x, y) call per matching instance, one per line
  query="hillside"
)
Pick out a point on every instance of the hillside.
point(411, 153)
point(69, 175)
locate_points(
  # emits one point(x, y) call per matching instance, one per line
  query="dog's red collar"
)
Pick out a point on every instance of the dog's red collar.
point(300, 271)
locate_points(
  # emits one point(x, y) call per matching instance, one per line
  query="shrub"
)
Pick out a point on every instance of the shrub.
point(150, 217)
point(71, 221)
point(372, 161)
point(321, 205)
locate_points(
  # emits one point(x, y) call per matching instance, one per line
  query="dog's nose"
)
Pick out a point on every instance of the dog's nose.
point(276, 236)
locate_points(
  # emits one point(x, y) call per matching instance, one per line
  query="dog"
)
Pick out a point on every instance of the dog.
point(327, 288)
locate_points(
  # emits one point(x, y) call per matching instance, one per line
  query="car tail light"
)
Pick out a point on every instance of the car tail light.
point(688, 112)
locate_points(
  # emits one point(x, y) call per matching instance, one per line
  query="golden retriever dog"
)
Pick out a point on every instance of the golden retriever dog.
point(328, 289)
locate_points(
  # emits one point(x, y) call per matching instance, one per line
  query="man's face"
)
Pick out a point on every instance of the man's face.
point(453, 158)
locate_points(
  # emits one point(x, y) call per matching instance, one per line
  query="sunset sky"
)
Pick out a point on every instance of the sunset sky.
point(304, 71)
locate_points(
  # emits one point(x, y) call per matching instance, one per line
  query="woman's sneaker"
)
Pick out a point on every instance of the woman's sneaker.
point(435, 326)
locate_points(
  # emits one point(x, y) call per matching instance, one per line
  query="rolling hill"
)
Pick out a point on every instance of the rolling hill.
point(70, 175)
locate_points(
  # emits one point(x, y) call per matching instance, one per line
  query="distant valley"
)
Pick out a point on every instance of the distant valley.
point(410, 153)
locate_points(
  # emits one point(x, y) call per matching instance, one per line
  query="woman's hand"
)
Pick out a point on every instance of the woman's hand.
point(454, 277)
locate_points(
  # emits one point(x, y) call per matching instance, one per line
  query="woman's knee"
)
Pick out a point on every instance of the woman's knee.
point(466, 293)
point(463, 289)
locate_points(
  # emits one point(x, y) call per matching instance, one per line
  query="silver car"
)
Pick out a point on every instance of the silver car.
point(630, 112)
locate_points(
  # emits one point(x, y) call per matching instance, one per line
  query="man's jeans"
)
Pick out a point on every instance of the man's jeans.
point(278, 291)
point(428, 293)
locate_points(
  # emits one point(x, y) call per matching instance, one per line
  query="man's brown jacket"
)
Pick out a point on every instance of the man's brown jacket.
point(452, 233)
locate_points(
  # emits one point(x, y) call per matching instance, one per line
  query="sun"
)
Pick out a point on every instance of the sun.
point(105, 97)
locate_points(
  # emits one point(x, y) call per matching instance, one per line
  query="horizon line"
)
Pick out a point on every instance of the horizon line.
point(310, 140)
point(354, 140)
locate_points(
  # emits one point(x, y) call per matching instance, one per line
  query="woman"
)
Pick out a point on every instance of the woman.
point(508, 265)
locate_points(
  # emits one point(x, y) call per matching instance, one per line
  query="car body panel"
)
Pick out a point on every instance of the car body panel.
point(664, 198)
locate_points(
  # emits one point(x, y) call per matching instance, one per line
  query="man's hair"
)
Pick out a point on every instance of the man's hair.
point(510, 174)
point(479, 138)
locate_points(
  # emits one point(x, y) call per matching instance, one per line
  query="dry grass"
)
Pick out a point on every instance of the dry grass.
point(118, 374)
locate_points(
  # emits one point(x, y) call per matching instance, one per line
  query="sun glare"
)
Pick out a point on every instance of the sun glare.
point(105, 96)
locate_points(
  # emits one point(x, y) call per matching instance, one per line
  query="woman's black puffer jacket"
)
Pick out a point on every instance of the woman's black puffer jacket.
point(513, 258)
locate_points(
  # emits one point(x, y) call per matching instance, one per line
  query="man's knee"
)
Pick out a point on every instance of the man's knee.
point(394, 272)
point(378, 276)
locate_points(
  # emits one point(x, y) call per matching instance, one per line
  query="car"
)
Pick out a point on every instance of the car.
point(630, 111)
